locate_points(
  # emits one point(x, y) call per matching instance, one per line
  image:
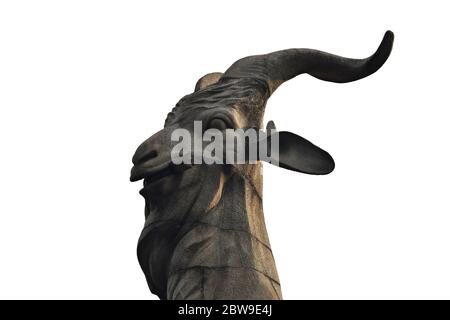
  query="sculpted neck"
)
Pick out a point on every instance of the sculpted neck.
point(226, 247)
point(220, 248)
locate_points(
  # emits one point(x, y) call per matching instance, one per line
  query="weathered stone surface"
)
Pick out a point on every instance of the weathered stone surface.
point(204, 236)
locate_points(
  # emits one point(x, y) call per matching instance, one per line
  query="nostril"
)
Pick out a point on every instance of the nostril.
point(152, 154)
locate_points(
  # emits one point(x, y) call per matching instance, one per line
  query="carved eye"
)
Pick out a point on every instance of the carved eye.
point(218, 123)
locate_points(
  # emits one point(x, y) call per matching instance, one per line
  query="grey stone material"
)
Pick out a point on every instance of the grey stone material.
point(204, 235)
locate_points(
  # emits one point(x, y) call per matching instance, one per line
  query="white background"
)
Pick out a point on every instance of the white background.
point(83, 83)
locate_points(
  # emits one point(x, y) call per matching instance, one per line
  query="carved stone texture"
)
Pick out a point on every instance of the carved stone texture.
point(204, 236)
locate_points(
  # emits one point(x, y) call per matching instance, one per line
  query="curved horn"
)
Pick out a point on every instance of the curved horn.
point(280, 66)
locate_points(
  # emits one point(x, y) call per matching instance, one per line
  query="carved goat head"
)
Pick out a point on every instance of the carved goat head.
point(236, 99)
point(230, 100)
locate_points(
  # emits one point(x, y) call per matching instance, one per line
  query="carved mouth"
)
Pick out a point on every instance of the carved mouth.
point(156, 174)
point(142, 172)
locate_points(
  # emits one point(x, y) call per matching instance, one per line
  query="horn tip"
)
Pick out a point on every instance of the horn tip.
point(382, 54)
point(388, 36)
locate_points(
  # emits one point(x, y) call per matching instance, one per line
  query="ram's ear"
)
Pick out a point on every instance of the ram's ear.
point(298, 154)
